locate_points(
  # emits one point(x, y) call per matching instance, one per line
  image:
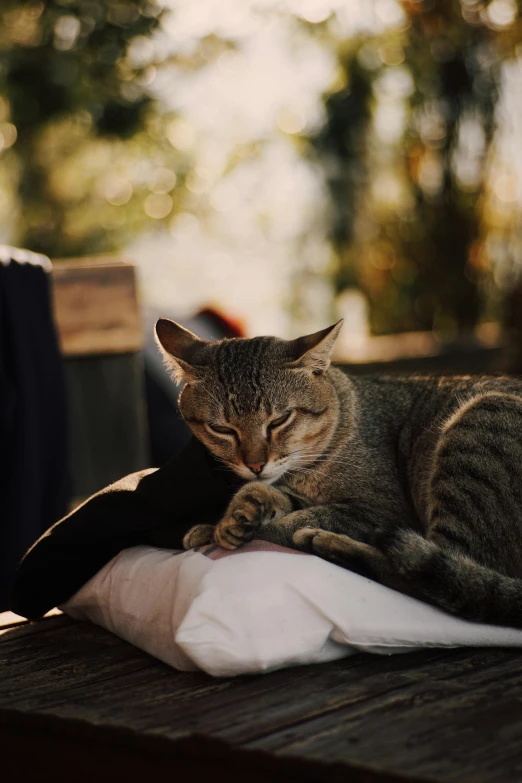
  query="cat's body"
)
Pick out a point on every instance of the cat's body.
point(416, 481)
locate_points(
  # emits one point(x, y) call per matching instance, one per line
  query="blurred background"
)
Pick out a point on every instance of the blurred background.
point(249, 167)
point(288, 162)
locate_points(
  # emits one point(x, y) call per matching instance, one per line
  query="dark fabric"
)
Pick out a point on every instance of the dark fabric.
point(34, 484)
point(168, 433)
point(155, 507)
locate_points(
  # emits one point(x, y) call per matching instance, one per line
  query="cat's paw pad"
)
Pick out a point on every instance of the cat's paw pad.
point(246, 513)
point(335, 547)
point(319, 542)
point(236, 529)
point(199, 535)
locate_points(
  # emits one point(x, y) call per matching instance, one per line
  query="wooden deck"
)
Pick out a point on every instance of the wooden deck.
point(436, 715)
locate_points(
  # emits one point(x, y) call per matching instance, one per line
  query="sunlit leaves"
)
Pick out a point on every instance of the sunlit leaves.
point(412, 170)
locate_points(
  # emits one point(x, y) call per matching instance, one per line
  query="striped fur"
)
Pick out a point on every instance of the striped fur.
point(416, 481)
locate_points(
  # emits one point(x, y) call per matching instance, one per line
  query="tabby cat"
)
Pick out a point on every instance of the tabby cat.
point(413, 481)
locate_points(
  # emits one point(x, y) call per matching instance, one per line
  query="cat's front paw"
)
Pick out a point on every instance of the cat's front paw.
point(254, 505)
point(199, 535)
point(304, 538)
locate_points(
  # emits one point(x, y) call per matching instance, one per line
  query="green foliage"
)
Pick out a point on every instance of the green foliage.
point(420, 260)
point(343, 138)
point(89, 157)
point(70, 59)
point(66, 81)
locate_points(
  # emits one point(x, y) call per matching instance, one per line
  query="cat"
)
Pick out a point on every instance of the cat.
point(415, 482)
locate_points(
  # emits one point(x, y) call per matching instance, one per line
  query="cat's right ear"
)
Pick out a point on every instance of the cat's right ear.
point(313, 351)
point(181, 350)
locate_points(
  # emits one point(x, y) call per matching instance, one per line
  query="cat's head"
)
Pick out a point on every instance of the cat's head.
point(263, 406)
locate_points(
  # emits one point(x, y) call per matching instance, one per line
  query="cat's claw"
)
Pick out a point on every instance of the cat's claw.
point(234, 531)
point(254, 505)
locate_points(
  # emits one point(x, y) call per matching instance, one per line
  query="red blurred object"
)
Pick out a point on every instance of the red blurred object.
point(230, 327)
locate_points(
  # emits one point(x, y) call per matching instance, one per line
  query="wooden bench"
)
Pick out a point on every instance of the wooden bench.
point(77, 703)
point(99, 327)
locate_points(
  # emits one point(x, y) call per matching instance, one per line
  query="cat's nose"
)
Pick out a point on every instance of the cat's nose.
point(256, 467)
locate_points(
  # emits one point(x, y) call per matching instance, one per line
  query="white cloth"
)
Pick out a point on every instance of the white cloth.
point(261, 608)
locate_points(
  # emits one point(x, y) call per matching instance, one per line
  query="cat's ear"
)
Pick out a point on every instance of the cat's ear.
point(313, 351)
point(181, 349)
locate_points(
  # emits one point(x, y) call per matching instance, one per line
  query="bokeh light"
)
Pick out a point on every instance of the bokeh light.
point(282, 160)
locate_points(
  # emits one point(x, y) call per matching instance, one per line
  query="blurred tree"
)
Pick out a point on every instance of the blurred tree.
point(65, 81)
point(407, 204)
point(455, 69)
point(342, 146)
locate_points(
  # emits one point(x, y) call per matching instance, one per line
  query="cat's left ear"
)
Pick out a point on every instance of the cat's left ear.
point(183, 351)
point(313, 351)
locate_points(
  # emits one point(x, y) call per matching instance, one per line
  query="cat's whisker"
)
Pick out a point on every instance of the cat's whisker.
point(330, 459)
point(322, 460)
point(298, 470)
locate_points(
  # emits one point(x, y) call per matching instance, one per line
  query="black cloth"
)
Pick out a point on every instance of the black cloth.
point(34, 484)
point(155, 507)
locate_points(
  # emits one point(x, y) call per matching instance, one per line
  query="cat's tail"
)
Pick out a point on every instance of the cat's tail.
point(455, 582)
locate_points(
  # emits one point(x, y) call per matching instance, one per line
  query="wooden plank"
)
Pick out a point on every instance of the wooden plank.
point(95, 306)
point(49, 663)
point(50, 750)
point(473, 735)
point(445, 715)
point(307, 690)
point(238, 708)
point(242, 710)
point(107, 420)
point(429, 729)
point(252, 711)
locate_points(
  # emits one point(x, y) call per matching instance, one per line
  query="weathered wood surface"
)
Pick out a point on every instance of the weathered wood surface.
point(96, 307)
point(453, 715)
point(108, 436)
point(99, 327)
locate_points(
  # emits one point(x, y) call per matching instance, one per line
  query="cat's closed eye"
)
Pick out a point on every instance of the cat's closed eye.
point(275, 423)
point(220, 430)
